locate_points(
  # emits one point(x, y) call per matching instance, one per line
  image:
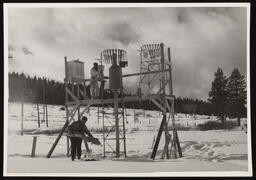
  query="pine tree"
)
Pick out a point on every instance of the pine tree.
point(236, 94)
point(218, 94)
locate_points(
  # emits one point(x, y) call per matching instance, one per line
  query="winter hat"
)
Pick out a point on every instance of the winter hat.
point(84, 118)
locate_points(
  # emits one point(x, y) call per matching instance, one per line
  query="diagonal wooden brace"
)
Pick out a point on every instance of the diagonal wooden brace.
point(72, 95)
point(158, 104)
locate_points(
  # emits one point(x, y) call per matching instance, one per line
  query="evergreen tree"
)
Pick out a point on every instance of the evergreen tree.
point(218, 94)
point(236, 94)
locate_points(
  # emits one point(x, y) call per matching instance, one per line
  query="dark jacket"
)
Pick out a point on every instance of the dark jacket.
point(77, 129)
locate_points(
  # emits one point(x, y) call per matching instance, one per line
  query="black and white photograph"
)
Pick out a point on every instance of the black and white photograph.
point(127, 89)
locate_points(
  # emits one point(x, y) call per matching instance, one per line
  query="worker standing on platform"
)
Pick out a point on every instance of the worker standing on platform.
point(76, 133)
point(95, 77)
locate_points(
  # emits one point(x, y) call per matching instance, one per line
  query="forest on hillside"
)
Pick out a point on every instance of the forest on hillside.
point(30, 89)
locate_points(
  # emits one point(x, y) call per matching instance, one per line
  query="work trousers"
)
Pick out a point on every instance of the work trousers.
point(75, 147)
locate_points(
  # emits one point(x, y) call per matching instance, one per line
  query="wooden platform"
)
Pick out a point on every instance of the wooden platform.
point(125, 99)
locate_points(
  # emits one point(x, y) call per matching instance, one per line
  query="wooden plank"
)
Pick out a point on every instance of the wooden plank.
point(22, 116)
point(170, 71)
point(158, 137)
point(158, 104)
point(117, 125)
point(84, 89)
point(72, 113)
point(124, 121)
point(143, 73)
point(78, 91)
point(124, 75)
point(164, 98)
point(57, 140)
point(166, 148)
point(38, 115)
point(61, 132)
point(168, 106)
point(72, 95)
point(161, 88)
point(178, 143)
point(68, 150)
point(46, 111)
point(174, 144)
point(110, 101)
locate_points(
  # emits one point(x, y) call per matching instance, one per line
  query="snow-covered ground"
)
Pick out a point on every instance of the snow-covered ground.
point(215, 150)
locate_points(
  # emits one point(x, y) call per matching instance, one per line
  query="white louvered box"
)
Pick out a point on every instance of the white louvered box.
point(75, 70)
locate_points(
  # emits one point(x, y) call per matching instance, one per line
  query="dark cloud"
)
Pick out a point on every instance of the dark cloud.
point(26, 51)
point(124, 32)
point(182, 16)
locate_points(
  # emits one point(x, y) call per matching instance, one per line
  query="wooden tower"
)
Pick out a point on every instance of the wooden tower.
point(156, 75)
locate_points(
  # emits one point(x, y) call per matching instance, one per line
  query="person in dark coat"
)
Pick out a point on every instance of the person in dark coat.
point(76, 133)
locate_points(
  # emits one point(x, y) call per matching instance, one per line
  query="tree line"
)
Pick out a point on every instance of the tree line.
point(31, 89)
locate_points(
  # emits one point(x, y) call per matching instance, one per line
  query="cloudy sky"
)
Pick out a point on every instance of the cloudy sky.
point(201, 40)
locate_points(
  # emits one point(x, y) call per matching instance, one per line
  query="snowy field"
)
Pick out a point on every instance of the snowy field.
point(204, 151)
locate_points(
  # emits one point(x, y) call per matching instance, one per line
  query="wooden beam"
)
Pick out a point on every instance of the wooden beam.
point(158, 104)
point(178, 142)
point(170, 71)
point(125, 99)
point(71, 94)
point(57, 140)
point(158, 137)
point(124, 75)
point(116, 125)
point(142, 73)
point(61, 132)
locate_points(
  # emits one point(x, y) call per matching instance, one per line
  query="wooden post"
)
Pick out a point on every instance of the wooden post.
point(34, 146)
point(158, 137)
point(44, 118)
point(166, 148)
point(66, 76)
point(124, 121)
point(68, 146)
point(38, 114)
point(66, 107)
point(174, 144)
point(78, 91)
point(78, 112)
point(178, 143)
point(153, 142)
point(103, 134)
point(170, 72)
point(22, 117)
point(164, 98)
point(99, 114)
point(117, 124)
point(72, 87)
point(134, 120)
point(46, 111)
point(85, 93)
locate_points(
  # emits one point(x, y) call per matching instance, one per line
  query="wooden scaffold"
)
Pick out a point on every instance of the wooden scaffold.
point(154, 68)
